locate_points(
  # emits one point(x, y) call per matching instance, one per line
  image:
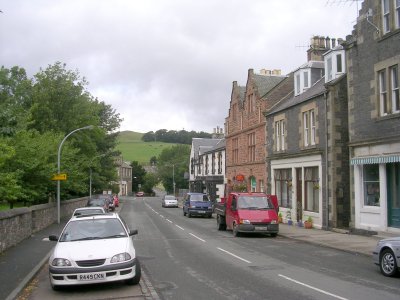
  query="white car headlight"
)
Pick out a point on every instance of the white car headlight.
point(245, 222)
point(120, 257)
point(274, 222)
point(61, 262)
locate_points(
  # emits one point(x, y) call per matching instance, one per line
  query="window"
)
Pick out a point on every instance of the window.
point(192, 166)
point(397, 13)
point(339, 68)
point(280, 135)
point(251, 141)
point(213, 164)
point(283, 186)
point(309, 128)
point(305, 78)
point(250, 103)
point(394, 83)
point(219, 162)
point(385, 16)
point(261, 185)
point(206, 168)
point(235, 150)
point(312, 189)
point(234, 111)
point(371, 185)
point(383, 93)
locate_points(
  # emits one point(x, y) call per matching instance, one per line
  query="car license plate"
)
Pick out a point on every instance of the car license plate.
point(261, 228)
point(92, 276)
point(202, 212)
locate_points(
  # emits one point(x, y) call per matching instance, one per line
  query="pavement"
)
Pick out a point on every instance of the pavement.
point(21, 263)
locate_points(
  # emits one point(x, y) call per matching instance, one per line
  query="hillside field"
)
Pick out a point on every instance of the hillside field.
point(134, 149)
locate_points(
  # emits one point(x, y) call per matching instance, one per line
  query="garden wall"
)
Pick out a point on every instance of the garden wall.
point(20, 223)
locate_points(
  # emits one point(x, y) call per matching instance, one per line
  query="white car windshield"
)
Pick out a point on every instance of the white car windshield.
point(93, 229)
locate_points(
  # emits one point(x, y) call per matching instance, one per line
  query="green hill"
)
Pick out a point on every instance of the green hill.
point(134, 149)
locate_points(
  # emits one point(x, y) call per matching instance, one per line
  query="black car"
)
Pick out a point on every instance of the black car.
point(101, 201)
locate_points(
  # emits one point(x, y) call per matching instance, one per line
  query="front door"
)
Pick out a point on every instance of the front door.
point(299, 194)
point(393, 194)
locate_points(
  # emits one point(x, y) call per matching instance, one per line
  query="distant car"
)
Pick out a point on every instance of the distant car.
point(94, 249)
point(139, 194)
point(100, 201)
point(169, 201)
point(197, 204)
point(387, 256)
point(85, 211)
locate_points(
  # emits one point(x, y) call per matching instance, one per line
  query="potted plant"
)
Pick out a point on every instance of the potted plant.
point(308, 223)
point(280, 217)
point(289, 217)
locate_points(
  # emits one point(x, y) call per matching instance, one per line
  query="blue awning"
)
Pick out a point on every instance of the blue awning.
point(384, 159)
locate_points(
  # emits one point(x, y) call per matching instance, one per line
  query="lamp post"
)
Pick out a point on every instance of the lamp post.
point(58, 167)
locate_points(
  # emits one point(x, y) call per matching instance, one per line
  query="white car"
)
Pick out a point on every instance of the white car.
point(85, 211)
point(94, 249)
point(169, 201)
point(387, 256)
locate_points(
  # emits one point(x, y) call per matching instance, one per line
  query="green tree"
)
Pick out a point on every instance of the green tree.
point(172, 164)
point(138, 175)
point(150, 181)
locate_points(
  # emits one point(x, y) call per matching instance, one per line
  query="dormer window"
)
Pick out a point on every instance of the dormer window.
point(302, 81)
point(334, 63)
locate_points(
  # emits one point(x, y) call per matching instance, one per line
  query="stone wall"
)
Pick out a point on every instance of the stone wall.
point(20, 223)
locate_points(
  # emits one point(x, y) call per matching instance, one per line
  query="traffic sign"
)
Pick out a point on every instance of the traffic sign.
point(61, 176)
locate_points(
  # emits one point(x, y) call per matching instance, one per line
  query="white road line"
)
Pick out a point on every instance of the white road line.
point(161, 216)
point(238, 257)
point(169, 220)
point(157, 212)
point(179, 227)
point(197, 237)
point(313, 288)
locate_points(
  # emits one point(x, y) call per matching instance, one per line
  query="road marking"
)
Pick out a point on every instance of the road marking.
point(161, 216)
point(197, 237)
point(45, 239)
point(238, 257)
point(313, 288)
point(169, 220)
point(179, 227)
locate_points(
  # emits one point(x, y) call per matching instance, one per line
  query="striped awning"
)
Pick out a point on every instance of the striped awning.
point(375, 160)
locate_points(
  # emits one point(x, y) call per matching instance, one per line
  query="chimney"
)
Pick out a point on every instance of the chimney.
point(328, 42)
point(317, 48)
point(333, 42)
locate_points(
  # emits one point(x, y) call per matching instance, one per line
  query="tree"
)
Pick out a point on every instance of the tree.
point(138, 175)
point(150, 181)
point(172, 164)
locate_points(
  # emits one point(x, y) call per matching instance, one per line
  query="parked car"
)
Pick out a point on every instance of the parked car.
point(94, 249)
point(139, 194)
point(387, 256)
point(85, 211)
point(169, 201)
point(101, 201)
point(197, 204)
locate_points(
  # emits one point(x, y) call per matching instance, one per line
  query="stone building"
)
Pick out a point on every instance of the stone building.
point(307, 140)
point(373, 63)
point(245, 131)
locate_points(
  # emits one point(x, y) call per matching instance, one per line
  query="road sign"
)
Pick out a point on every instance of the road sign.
point(61, 176)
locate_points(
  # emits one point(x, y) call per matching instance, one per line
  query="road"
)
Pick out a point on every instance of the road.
point(188, 258)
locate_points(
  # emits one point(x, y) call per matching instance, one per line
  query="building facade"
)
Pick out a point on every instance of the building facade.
point(373, 60)
point(124, 171)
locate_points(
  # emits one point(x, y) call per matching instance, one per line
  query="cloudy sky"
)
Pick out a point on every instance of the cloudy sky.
point(167, 64)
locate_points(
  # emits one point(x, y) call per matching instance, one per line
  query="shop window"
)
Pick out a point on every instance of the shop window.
point(312, 189)
point(371, 185)
point(283, 186)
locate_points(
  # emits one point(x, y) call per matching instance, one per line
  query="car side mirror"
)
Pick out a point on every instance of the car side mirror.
point(53, 238)
point(133, 232)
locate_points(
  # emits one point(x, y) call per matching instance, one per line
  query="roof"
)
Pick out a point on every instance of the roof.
point(265, 83)
point(200, 145)
point(317, 89)
point(313, 64)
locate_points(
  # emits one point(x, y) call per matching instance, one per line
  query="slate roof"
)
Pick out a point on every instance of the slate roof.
point(317, 89)
point(202, 145)
point(266, 83)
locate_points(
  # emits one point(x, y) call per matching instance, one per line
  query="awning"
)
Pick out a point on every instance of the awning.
point(384, 159)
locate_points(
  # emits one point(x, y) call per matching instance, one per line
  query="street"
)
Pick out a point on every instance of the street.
point(188, 258)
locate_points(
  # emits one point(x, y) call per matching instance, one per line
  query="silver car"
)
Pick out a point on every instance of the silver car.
point(387, 256)
point(169, 201)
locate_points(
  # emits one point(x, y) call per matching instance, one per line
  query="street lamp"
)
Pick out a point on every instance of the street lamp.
point(58, 167)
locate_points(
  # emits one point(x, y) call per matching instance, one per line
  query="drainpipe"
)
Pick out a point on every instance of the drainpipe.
point(326, 161)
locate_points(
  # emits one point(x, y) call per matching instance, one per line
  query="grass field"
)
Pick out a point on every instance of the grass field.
point(134, 149)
